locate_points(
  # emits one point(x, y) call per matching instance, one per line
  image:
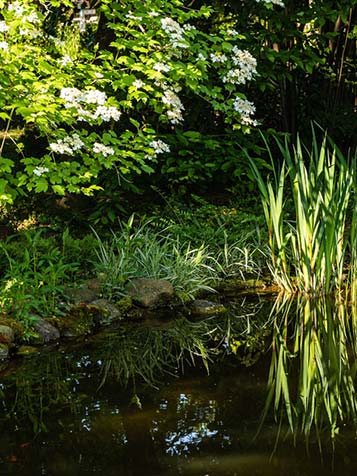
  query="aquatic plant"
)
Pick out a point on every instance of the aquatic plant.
point(308, 253)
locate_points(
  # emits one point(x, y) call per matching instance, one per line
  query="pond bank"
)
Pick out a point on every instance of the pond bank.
point(89, 312)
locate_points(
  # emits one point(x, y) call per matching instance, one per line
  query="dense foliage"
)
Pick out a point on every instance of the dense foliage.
point(171, 90)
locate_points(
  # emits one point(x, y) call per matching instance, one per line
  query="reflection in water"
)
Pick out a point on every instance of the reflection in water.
point(79, 399)
point(313, 365)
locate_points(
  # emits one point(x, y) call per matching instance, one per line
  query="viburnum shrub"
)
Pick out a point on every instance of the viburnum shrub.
point(115, 103)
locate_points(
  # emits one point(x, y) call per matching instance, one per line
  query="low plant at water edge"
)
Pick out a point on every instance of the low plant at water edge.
point(35, 279)
point(140, 251)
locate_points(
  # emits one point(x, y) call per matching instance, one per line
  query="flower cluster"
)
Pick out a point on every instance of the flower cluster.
point(218, 58)
point(174, 106)
point(76, 99)
point(17, 8)
point(68, 145)
point(246, 109)
point(161, 67)
point(159, 146)
point(74, 96)
point(38, 171)
point(19, 11)
point(138, 83)
point(3, 27)
point(4, 45)
point(273, 2)
point(245, 67)
point(66, 60)
point(175, 32)
point(102, 149)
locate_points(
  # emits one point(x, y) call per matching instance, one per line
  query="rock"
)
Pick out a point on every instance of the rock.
point(108, 312)
point(4, 352)
point(203, 308)
point(17, 327)
point(7, 335)
point(83, 294)
point(150, 293)
point(78, 322)
point(46, 330)
point(86, 293)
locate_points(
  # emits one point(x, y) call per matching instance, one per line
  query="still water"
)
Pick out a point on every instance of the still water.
point(103, 407)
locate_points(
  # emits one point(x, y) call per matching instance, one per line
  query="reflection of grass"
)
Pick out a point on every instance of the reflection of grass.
point(319, 344)
point(131, 355)
point(146, 354)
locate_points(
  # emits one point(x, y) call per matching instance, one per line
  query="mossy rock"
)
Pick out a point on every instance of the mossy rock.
point(203, 308)
point(7, 335)
point(105, 312)
point(78, 322)
point(232, 286)
point(4, 352)
point(16, 326)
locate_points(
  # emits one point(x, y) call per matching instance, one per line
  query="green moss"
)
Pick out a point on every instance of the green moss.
point(79, 321)
point(16, 326)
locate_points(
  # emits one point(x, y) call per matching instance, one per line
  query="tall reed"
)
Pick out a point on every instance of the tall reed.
point(308, 253)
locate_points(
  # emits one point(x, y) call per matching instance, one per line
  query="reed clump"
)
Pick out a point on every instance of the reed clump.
point(313, 241)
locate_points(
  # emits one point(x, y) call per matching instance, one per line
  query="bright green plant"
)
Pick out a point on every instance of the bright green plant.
point(138, 251)
point(113, 104)
point(309, 255)
point(34, 282)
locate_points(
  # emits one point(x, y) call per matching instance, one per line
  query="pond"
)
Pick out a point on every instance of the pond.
point(178, 397)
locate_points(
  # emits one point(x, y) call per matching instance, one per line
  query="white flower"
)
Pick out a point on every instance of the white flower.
point(153, 14)
point(200, 57)
point(174, 106)
point(175, 32)
point(68, 145)
point(245, 70)
point(4, 45)
point(93, 96)
point(98, 75)
point(17, 8)
point(218, 58)
point(159, 147)
point(231, 32)
point(3, 27)
point(70, 95)
point(138, 83)
point(130, 16)
point(243, 59)
point(102, 149)
point(161, 67)
point(105, 113)
point(273, 2)
point(31, 18)
point(65, 60)
point(40, 171)
point(246, 109)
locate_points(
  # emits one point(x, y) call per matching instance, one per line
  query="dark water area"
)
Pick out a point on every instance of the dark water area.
point(83, 408)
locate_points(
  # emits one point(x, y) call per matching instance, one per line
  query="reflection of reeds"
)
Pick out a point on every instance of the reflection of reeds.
point(317, 344)
point(309, 254)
